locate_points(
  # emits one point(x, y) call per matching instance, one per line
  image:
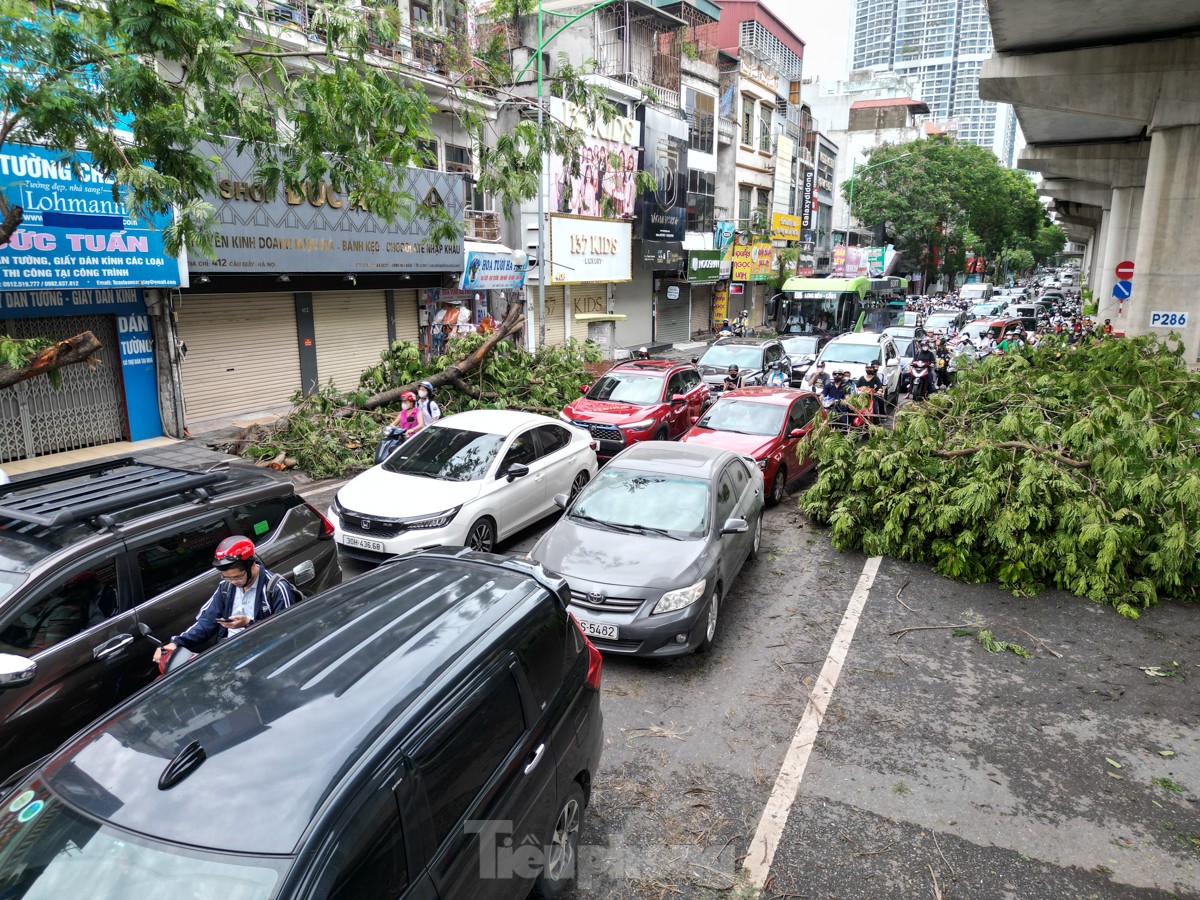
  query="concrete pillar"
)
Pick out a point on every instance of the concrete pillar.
point(1097, 258)
point(1125, 214)
point(1168, 266)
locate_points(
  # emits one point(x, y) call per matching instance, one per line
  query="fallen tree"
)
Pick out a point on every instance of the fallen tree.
point(21, 360)
point(1075, 468)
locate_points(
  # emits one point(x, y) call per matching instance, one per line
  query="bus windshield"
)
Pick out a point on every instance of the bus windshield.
point(824, 312)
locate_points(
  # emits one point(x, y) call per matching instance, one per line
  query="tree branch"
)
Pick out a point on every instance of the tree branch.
point(1013, 445)
point(64, 353)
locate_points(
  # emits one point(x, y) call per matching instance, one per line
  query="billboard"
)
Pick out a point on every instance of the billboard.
point(584, 250)
point(603, 181)
point(808, 199)
point(662, 210)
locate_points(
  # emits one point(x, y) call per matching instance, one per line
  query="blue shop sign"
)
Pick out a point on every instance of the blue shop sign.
point(135, 342)
point(75, 233)
point(488, 270)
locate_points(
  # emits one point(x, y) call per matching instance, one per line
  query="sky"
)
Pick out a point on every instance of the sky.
point(824, 26)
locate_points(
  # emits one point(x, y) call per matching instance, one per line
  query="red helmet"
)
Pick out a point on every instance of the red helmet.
point(234, 552)
point(409, 395)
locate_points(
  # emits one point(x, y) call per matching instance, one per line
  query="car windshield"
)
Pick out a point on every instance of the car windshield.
point(800, 346)
point(623, 387)
point(626, 498)
point(851, 353)
point(450, 454)
point(722, 356)
point(904, 348)
point(744, 417)
point(940, 320)
point(49, 851)
point(9, 582)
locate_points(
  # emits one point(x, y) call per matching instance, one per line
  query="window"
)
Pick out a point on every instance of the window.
point(774, 353)
point(764, 129)
point(522, 452)
point(701, 198)
point(740, 476)
point(543, 654)
point(463, 755)
point(764, 207)
point(701, 110)
point(747, 121)
point(801, 413)
point(427, 154)
point(419, 12)
point(170, 562)
point(458, 161)
point(259, 521)
point(370, 860)
point(675, 385)
point(84, 599)
point(552, 438)
point(744, 207)
point(726, 499)
point(691, 380)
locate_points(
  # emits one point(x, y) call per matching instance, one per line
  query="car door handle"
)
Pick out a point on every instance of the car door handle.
point(537, 758)
point(112, 646)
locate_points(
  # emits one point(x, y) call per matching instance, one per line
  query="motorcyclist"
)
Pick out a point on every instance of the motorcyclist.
point(817, 378)
point(733, 380)
point(942, 351)
point(410, 419)
point(426, 404)
point(922, 372)
point(833, 396)
point(778, 377)
point(240, 600)
point(872, 384)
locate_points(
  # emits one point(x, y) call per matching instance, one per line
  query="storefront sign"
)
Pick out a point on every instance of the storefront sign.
point(319, 230)
point(785, 227)
point(663, 256)
point(723, 233)
point(485, 270)
point(721, 303)
point(605, 181)
point(752, 262)
point(584, 250)
point(875, 261)
point(838, 266)
point(704, 266)
point(764, 262)
point(135, 343)
point(74, 233)
point(662, 210)
point(807, 199)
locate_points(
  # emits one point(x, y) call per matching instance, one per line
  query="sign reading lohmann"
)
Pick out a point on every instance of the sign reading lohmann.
point(320, 230)
point(584, 250)
point(75, 234)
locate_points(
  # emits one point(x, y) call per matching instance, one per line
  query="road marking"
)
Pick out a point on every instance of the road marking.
point(757, 864)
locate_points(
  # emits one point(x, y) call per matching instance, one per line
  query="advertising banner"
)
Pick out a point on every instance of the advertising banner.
point(875, 261)
point(704, 266)
point(806, 199)
point(75, 234)
point(662, 210)
point(785, 227)
point(487, 270)
point(604, 181)
point(742, 258)
point(837, 267)
point(723, 233)
point(762, 256)
point(720, 303)
point(663, 256)
point(584, 250)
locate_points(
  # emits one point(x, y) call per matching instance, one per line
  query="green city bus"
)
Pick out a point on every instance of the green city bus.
point(837, 305)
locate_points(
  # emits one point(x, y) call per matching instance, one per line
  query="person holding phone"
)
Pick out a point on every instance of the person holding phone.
point(248, 593)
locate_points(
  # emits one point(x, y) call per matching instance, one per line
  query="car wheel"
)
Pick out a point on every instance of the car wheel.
point(756, 544)
point(711, 617)
point(662, 434)
point(778, 486)
point(482, 536)
point(562, 850)
point(577, 485)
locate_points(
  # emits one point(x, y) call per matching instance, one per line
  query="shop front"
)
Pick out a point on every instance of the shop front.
point(703, 274)
point(587, 256)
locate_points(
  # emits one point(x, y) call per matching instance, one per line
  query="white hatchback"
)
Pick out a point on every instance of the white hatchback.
point(470, 479)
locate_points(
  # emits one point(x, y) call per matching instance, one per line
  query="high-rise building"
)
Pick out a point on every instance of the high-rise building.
point(941, 44)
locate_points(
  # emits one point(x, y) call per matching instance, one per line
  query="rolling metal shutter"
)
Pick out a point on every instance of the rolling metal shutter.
point(241, 352)
point(672, 322)
point(405, 304)
point(702, 298)
point(586, 298)
point(351, 330)
point(556, 326)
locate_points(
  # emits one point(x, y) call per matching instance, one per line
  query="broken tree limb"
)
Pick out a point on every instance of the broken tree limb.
point(454, 373)
point(1013, 445)
point(80, 348)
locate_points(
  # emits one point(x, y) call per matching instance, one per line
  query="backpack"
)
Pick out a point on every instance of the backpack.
point(273, 582)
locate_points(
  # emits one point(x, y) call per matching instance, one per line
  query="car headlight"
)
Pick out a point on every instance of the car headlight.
point(335, 507)
point(563, 415)
point(678, 599)
point(640, 426)
point(438, 520)
point(762, 464)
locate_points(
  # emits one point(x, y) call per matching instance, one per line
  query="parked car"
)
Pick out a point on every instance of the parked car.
point(386, 739)
point(753, 357)
point(767, 424)
point(980, 310)
point(470, 479)
point(639, 401)
point(853, 352)
point(652, 546)
point(89, 554)
point(801, 351)
point(945, 321)
point(1030, 314)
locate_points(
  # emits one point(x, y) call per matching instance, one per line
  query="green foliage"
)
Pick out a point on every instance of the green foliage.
point(988, 642)
point(16, 353)
point(1066, 467)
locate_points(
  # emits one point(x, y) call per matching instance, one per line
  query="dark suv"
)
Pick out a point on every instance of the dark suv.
point(431, 729)
point(753, 357)
point(88, 555)
point(648, 399)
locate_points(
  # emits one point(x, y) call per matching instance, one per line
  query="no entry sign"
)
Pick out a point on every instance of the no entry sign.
point(1125, 270)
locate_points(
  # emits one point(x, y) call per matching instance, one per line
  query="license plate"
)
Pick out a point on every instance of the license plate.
point(362, 543)
point(600, 630)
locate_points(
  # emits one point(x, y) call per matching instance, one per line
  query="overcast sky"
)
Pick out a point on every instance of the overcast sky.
point(824, 26)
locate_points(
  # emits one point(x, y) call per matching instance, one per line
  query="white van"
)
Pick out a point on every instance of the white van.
point(977, 292)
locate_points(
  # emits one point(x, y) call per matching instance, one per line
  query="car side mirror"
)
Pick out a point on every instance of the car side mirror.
point(695, 360)
point(693, 419)
point(16, 670)
point(678, 398)
point(515, 471)
point(796, 432)
point(561, 500)
point(584, 388)
point(735, 526)
point(304, 573)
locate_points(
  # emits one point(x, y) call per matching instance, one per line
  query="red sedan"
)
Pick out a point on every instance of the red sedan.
point(767, 424)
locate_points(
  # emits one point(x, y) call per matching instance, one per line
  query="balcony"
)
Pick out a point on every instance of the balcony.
point(726, 129)
point(481, 225)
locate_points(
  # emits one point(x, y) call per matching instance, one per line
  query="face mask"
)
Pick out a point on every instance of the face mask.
point(422, 394)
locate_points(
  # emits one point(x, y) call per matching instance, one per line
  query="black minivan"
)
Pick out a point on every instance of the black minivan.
point(428, 730)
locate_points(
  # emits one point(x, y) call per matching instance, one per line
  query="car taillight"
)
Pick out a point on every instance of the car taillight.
point(595, 445)
point(326, 525)
point(595, 659)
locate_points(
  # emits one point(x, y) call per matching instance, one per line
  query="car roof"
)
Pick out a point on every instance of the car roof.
point(670, 458)
point(647, 366)
point(743, 341)
point(287, 710)
point(493, 421)
point(775, 396)
point(859, 337)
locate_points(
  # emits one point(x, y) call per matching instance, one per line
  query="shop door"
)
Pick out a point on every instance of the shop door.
point(672, 320)
point(556, 327)
point(404, 302)
point(351, 330)
point(702, 296)
point(241, 353)
point(87, 409)
point(586, 298)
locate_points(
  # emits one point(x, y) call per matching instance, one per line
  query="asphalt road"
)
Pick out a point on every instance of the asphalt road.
point(940, 769)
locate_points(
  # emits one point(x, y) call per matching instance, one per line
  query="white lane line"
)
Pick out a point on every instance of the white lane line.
point(757, 863)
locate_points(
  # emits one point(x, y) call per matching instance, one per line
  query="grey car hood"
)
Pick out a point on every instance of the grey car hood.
point(581, 552)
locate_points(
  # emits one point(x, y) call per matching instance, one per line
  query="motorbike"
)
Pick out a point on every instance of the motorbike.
point(845, 418)
point(920, 380)
point(170, 660)
point(391, 438)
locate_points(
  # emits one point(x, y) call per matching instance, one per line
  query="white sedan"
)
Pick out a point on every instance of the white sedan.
point(470, 479)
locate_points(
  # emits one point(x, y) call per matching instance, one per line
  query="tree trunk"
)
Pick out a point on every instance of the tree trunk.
point(11, 221)
point(64, 353)
point(453, 375)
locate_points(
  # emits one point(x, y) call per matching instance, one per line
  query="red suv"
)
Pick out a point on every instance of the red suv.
point(648, 399)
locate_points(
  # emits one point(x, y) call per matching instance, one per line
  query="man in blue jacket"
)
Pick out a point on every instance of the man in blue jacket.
point(248, 593)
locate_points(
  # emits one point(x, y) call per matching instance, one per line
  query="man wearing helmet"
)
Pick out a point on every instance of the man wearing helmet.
point(248, 593)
